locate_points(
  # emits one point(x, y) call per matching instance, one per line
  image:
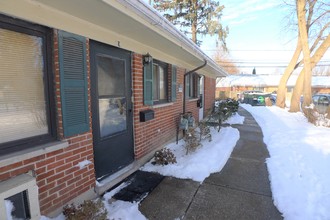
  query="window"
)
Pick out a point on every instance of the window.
point(158, 85)
point(192, 85)
point(160, 82)
point(25, 113)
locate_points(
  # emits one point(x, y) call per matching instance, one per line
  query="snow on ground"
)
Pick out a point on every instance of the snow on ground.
point(117, 210)
point(9, 208)
point(209, 158)
point(121, 209)
point(235, 119)
point(299, 163)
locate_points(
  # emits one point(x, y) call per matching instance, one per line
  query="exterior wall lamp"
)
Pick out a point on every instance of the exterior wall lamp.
point(147, 59)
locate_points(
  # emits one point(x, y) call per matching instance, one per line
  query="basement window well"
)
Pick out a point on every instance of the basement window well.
point(18, 206)
point(19, 198)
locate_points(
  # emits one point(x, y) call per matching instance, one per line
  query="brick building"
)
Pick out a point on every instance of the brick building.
point(89, 90)
point(230, 86)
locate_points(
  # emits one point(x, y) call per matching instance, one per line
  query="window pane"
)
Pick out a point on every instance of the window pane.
point(162, 85)
point(111, 83)
point(155, 83)
point(111, 77)
point(22, 100)
point(191, 86)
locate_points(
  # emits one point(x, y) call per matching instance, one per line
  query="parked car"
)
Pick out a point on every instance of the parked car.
point(241, 95)
point(255, 97)
point(321, 102)
point(273, 97)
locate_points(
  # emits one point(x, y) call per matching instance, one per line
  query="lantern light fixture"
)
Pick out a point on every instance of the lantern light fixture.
point(147, 59)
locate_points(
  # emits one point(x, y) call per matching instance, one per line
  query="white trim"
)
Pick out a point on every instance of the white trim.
point(192, 100)
point(162, 105)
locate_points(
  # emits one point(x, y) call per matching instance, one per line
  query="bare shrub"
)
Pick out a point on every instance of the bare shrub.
point(192, 140)
point(87, 210)
point(164, 157)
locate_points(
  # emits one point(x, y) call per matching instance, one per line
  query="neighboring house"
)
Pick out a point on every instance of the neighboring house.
point(89, 90)
point(232, 85)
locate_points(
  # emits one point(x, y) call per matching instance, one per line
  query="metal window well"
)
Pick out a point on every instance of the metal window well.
point(22, 191)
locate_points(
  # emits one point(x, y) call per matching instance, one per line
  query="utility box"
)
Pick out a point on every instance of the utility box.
point(147, 115)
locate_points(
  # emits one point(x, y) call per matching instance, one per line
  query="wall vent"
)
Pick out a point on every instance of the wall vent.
point(22, 190)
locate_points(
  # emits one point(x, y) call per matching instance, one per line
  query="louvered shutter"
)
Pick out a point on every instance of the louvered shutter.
point(187, 87)
point(73, 75)
point(173, 84)
point(198, 79)
point(148, 83)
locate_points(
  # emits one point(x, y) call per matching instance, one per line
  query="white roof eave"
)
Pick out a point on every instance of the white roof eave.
point(131, 25)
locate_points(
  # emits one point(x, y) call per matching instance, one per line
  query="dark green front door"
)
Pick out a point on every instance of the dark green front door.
point(111, 108)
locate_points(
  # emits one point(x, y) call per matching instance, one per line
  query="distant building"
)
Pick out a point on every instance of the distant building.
point(230, 86)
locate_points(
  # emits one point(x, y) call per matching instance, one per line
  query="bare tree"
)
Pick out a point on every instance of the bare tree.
point(222, 57)
point(298, 90)
point(317, 26)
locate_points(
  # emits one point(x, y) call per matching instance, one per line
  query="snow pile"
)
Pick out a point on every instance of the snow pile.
point(299, 162)
point(121, 209)
point(9, 208)
point(235, 119)
point(198, 165)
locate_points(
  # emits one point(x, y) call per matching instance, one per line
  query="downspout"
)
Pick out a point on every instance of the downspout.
point(184, 83)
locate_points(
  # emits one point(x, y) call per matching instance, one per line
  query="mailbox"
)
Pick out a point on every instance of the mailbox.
point(147, 115)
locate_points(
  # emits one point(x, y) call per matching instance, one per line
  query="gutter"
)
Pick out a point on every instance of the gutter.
point(184, 83)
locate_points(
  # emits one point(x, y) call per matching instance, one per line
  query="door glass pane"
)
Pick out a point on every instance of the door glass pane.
point(111, 76)
point(22, 99)
point(112, 115)
point(112, 100)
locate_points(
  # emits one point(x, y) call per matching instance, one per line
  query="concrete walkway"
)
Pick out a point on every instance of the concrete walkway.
point(240, 191)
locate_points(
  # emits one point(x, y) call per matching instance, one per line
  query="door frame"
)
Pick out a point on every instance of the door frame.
point(97, 48)
point(201, 92)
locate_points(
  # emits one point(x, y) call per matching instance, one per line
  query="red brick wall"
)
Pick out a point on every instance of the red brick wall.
point(191, 106)
point(58, 178)
point(209, 84)
point(154, 133)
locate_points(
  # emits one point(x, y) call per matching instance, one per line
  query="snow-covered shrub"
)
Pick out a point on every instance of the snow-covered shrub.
point(87, 210)
point(318, 119)
point(225, 108)
point(164, 157)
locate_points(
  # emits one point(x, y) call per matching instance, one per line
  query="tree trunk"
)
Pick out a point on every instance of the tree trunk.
point(194, 32)
point(298, 89)
point(281, 90)
point(194, 23)
point(307, 85)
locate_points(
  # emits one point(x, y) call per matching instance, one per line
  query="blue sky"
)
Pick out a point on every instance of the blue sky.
point(258, 35)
